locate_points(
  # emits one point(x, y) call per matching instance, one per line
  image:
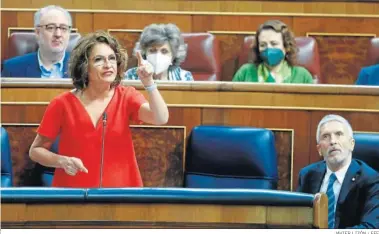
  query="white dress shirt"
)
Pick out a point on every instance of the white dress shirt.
point(340, 174)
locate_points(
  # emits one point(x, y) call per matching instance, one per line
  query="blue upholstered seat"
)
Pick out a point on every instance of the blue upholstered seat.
point(231, 157)
point(200, 196)
point(6, 160)
point(367, 148)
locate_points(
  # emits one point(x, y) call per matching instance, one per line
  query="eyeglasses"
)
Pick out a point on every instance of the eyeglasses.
point(53, 27)
point(101, 60)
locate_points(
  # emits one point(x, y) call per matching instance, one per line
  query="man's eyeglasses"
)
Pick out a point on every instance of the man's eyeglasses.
point(53, 27)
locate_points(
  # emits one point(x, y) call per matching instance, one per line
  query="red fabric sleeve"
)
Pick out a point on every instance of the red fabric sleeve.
point(135, 100)
point(52, 120)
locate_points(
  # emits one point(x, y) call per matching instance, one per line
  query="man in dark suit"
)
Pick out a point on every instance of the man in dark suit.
point(351, 185)
point(52, 28)
point(369, 76)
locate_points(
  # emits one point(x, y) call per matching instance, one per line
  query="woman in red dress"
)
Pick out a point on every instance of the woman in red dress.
point(92, 121)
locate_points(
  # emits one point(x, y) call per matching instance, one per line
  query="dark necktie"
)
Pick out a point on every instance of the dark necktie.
point(331, 201)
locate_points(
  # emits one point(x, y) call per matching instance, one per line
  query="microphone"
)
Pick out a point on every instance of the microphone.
point(102, 147)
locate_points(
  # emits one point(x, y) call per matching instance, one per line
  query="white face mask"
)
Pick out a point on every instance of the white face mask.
point(159, 61)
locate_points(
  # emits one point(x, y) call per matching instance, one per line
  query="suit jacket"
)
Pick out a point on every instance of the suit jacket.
point(369, 76)
point(358, 202)
point(27, 66)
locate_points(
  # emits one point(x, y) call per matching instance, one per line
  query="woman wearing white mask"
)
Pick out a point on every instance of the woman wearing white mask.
point(275, 50)
point(163, 47)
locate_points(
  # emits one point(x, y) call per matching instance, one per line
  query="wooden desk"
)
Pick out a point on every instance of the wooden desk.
point(291, 110)
point(154, 215)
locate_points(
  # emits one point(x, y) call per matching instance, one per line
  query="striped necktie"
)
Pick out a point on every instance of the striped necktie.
point(331, 200)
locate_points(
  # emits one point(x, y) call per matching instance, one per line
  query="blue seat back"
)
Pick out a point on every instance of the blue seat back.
point(46, 174)
point(367, 148)
point(231, 157)
point(6, 160)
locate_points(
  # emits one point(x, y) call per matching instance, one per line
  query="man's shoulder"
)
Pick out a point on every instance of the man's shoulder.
point(312, 167)
point(21, 60)
point(371, 69)
point(365, 169)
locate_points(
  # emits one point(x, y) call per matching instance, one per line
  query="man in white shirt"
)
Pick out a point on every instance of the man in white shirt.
point(351, 185)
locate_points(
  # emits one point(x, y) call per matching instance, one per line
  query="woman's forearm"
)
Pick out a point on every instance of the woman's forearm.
point(46, 157)
point(158, 107)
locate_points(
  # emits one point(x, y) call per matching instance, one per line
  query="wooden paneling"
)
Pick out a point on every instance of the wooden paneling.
point(84, 22)
point(8, 19)
point(320, 7)
point(190, 116)
point(139, 21)
point(153, 215)
point(229, 44)
point(342, 57)
point(128, 39)
point(347, 25)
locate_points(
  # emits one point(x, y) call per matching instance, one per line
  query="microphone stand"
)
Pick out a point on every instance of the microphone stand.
point(102, 147)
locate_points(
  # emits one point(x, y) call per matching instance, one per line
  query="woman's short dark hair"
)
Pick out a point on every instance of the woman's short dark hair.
point(158, 34)
point(79, 60)
point(288, 37)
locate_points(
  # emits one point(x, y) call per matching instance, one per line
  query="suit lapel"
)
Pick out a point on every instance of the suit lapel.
point(349, 181)
point(33, 69)
point(317, 177)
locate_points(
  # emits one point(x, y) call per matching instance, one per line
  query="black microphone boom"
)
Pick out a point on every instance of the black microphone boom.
point(102, 147)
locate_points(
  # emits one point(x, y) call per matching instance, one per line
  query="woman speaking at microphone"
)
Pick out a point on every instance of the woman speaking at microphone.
point(162, 45)
point(92, 120)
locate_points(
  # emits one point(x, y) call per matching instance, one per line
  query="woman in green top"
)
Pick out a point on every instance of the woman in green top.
point(276, 51)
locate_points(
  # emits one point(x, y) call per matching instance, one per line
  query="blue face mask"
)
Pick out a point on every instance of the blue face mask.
point(272, 56)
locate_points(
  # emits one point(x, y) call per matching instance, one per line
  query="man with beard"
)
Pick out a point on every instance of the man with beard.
point(351, 185)
point(52, 28)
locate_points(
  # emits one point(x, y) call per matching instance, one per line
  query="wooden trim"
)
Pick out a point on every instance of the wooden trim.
point(292, 149)
point(124, 30)
point(340, 34)
point(123, 224)
point(224, 86)
point(207, 214)
point(273, 108)
point(365, 132)
point(320, 211)
point(290, 14)
point(291, 108)
point(234, 32)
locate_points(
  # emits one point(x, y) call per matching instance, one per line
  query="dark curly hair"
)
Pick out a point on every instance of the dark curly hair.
point(79, 59)
point(289, 42)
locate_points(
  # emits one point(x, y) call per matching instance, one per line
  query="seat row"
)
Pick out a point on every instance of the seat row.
point(220, 157)
point(203, 56)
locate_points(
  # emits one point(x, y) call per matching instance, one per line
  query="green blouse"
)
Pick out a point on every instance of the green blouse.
point(249, 73)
